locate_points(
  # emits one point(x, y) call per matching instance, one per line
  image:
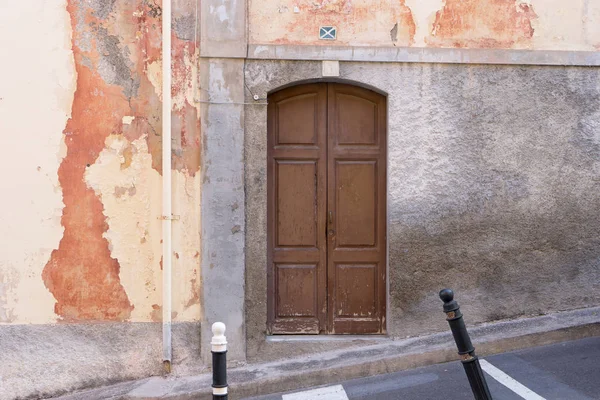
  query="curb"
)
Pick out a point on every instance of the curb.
point(357, 362)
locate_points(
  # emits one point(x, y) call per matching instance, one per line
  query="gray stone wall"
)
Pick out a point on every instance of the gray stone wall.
point(493, 190)
point(43, 361)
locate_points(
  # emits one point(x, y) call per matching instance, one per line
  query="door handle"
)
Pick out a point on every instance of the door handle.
point(330, 217)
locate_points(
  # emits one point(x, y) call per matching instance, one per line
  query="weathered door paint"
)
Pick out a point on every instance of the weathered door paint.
point(356, 199)
point(326, 210)
point(297, 202)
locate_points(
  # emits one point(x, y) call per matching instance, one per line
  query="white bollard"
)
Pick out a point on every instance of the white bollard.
point(219, 361)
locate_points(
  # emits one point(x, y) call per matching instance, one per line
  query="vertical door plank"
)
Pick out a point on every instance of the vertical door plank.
point(356, 197)
point(296, 190)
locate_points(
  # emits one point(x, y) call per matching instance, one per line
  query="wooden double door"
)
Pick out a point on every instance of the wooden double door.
point(326, 210)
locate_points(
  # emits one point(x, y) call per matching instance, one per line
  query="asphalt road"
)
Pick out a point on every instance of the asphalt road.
point(565, 371)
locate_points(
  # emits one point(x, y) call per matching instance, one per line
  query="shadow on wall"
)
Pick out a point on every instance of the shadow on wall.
point(506, 205)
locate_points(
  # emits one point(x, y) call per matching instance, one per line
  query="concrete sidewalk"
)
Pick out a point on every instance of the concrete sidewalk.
point(387, 356)
point(561, 371)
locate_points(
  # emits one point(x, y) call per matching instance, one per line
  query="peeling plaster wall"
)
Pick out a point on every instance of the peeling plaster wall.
point(80, 116)
point(516, 24)
point(84, 234)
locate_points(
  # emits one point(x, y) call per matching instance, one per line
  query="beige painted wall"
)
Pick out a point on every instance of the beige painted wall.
point(517, 24)
point(81, 156)
point(36, 103)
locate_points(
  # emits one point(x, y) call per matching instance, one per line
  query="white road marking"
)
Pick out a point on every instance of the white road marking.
point(336, 392)
point(509, 382)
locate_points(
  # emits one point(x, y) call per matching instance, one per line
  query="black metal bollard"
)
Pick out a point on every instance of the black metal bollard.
point(219, 361)
point(466, 350)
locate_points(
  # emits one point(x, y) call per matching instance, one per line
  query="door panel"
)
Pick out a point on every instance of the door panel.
point(297, 119)
point(296, 216)
point(296, 286)
point(356, 118)
point(356, 203)
point(355, 291)
point(326, 211)
point(356, 242)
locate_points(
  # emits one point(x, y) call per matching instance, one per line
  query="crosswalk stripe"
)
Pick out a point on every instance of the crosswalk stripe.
point(509, 382)
point(336, 392)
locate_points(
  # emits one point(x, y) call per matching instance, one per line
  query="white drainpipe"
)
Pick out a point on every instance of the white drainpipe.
point(166, 180)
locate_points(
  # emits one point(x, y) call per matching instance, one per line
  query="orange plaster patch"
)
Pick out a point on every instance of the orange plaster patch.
point(482, 24)
point(81, 274)
point(195, 297)
point(355, 22)
point(185, 121)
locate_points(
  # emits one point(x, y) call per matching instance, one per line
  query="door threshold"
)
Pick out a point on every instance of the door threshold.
point(327, 338)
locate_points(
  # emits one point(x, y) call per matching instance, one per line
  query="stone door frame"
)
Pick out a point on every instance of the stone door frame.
point(263, 77)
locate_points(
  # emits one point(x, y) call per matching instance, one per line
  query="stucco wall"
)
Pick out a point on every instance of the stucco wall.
point(83, 111)
point(519, 24)
point(494, 175)
point(35, 106)
point(80, 116)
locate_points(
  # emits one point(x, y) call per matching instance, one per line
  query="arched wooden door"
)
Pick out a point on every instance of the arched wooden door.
point(326, 210)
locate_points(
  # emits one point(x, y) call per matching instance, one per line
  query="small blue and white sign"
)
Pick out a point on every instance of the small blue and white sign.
point(328, 33)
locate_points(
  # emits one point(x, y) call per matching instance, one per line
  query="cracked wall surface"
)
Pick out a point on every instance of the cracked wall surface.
point(84, 230)
point(507, 24)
